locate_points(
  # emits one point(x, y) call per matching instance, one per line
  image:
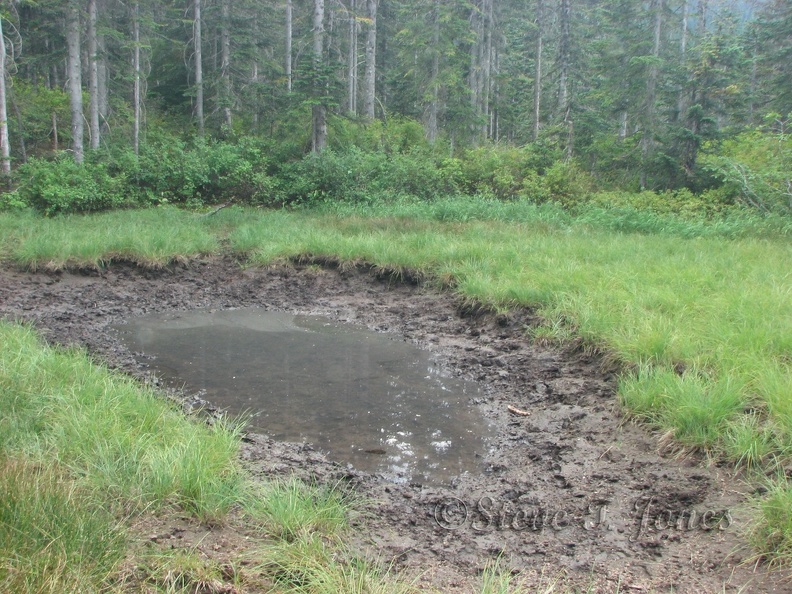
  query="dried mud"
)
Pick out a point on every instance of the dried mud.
point(572, 494)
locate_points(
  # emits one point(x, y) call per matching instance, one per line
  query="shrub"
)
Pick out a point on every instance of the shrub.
point(63, 186)
point(755, 167)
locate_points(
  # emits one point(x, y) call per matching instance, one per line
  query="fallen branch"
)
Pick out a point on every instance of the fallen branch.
point(518, 411)
point(221, 207)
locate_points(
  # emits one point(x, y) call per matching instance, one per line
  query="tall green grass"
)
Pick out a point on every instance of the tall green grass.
point(151, 237)
point(53, 536)
point(118, 438)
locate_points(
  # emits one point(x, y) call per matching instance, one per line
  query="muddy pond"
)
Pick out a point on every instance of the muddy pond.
point(414, 383)
point(379, 404)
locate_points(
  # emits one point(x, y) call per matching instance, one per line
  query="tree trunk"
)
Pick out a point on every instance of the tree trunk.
point(75, 78)
point(137, 91)
point(289, 33)
point(199, 88)
point(5, 148)
point(104, 101)
point(225, 62)
point(486, 87)
point(647, 140)
point(318, 111)
point(371, 62)
point(564, 66)
point(93, 76)
point(431, 124)
point(537, 95)
point(352, 60)
point(476, 56)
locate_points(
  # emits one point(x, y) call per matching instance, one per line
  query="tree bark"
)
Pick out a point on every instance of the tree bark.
point(225, 62)
point(489, 24)
point(318, 111)
point(137, 91)
point(199, 88)
point(75, 78)
point(647, 140)
point(371, 62)
point(289, 33)
point(431, 124)
point(5, 148)
point(104, 100)
point(564, 66)
point(93, 76)
point(537, 95)
point(352, 60)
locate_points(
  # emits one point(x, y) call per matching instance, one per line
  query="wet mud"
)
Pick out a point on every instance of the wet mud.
point(571, 493)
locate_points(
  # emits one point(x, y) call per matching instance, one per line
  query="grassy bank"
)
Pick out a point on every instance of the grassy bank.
point(697, 313)
point(85, 453)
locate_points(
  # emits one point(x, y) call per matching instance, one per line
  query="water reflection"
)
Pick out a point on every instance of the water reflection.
point(378, 403)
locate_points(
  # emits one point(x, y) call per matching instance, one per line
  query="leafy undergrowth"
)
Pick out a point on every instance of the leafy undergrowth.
point(697, 314)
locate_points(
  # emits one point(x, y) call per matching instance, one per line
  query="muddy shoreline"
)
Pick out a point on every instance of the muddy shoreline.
point(569, 489)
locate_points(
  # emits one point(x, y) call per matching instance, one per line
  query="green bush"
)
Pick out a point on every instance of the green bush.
point(62, 186)
point(201, 172)
point(756, 167)
point(673, 202)
point(360, 177)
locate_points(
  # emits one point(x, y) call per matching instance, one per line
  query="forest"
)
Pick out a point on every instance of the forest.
point(550, 100)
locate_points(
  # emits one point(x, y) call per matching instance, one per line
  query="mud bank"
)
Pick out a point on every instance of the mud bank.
point(571, 493)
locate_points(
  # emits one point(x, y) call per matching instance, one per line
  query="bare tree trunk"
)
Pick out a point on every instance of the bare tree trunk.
point(352, 60)
point(489, 23)
point(199, 88)
point(75, 78)
point(564, 66)
point(225, 61)
point(685, 25)
point(54, 132)
point(371, 62)
point(137, 91)
point(431, 125)
point(537, 102)
point(647, 140)
point(289, 33)
point(476, 56)
point(93, 76)
point(5, 148)
point(319, 110)
point(563, 60)
point(104, 101)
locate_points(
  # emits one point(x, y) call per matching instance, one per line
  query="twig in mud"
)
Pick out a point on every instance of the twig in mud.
point(518, 411)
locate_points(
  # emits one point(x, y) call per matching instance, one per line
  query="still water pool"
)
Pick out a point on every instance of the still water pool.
point(365, 398)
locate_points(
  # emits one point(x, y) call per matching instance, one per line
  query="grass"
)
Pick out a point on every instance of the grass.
point(81, 448)
point(697, 313)
point(290, 509)
point(151, 238)
point(53, 538)
point(116, 437)
point(312, 565)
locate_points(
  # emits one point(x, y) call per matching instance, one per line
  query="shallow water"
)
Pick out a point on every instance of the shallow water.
point(366, 399)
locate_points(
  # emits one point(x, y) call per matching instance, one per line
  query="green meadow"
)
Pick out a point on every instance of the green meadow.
point(695, 315)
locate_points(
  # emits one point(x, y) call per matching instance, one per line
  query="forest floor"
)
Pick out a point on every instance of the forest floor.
point(572, 495)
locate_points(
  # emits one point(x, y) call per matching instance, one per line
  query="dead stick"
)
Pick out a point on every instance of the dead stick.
point(221, 207)
point(518, 411)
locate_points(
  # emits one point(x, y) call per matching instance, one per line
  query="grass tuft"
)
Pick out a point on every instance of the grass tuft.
point(292, 509)
point(311, 565)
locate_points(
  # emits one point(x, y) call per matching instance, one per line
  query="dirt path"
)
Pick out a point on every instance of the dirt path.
point(569, 488)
